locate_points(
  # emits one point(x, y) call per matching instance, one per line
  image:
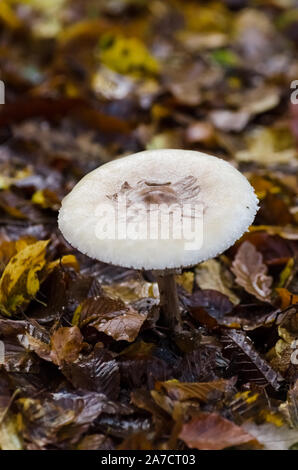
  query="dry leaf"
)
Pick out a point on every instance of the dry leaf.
point(210, 275)
point(186, 280)
point(19, 282)
point(201, 391)
point(210, 431)
point(251, 272)
point(287, 298)
point(66, 344)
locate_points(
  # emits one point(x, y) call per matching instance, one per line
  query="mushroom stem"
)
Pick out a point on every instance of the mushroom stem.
point(169, 301)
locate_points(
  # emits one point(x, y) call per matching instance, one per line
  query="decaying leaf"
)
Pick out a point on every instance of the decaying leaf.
point(209, 307)
point(112, 317)
point(202, 391)
point(66, 344)
point(85, 359)
point(186, 280)
point(210, 431)
point(268, 146)
point(287, 298)
point(96, 372)
point(247, 363)
point(9, 434)
point(131, 290)
point(251, 272)
point(211, 275)
point(19, 282)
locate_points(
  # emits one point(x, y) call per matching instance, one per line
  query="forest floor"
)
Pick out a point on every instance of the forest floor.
point(87, 361)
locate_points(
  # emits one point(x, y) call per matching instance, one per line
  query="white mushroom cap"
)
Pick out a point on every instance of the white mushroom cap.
point(227, 199)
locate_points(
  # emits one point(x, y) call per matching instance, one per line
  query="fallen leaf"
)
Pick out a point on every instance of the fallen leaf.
point(131, 290)
point(287, 298)
point(267, 146)
point(97, 372)
point(210, 431)
point(251, 272)
point(208, 306)
point(9, 434)
point(211, 275)
point(202, 391)
point(246, 362)
point(127, 55)
point(112, 317)
point(186, 280)
point(66, 344)
point(19, 282)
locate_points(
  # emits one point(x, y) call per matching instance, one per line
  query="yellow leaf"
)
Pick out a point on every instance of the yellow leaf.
point(19, 282)
point(8, 16)
point(287, 298)
point(46, 199)
point(271, 417)
point(127, 56)
point(211, 275)
point(286, 273)
point(67, 260)
point(132, 290)
point(186, 280)
point(9, 438)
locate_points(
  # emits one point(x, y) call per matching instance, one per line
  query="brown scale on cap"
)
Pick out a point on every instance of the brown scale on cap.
point(154, 192)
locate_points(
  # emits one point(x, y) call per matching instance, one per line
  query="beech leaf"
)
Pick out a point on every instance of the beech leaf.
point(19, 282)
point(112, 317)
point(66, 344)
point(251, 272)
point(210, 431)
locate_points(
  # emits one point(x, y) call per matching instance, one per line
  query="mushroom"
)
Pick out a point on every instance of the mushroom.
point(159, 210)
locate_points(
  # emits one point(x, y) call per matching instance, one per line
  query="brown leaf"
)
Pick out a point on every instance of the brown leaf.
point(246, 362)
point(210, 431)
point(96, 372)
point(95, 442)
point(66, 344)
point(112, 317)
point(212, 275)
point(251, 272)
point(202, 391)
point(208, 307)
point(287, 298)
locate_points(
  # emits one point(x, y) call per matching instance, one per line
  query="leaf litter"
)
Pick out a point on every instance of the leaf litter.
point(88, 364)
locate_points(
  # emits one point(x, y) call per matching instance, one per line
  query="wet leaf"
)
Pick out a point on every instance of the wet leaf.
point(202, 391)
point(111, 317)
point(96, 372)
point(209, 307)
point(66, 344)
